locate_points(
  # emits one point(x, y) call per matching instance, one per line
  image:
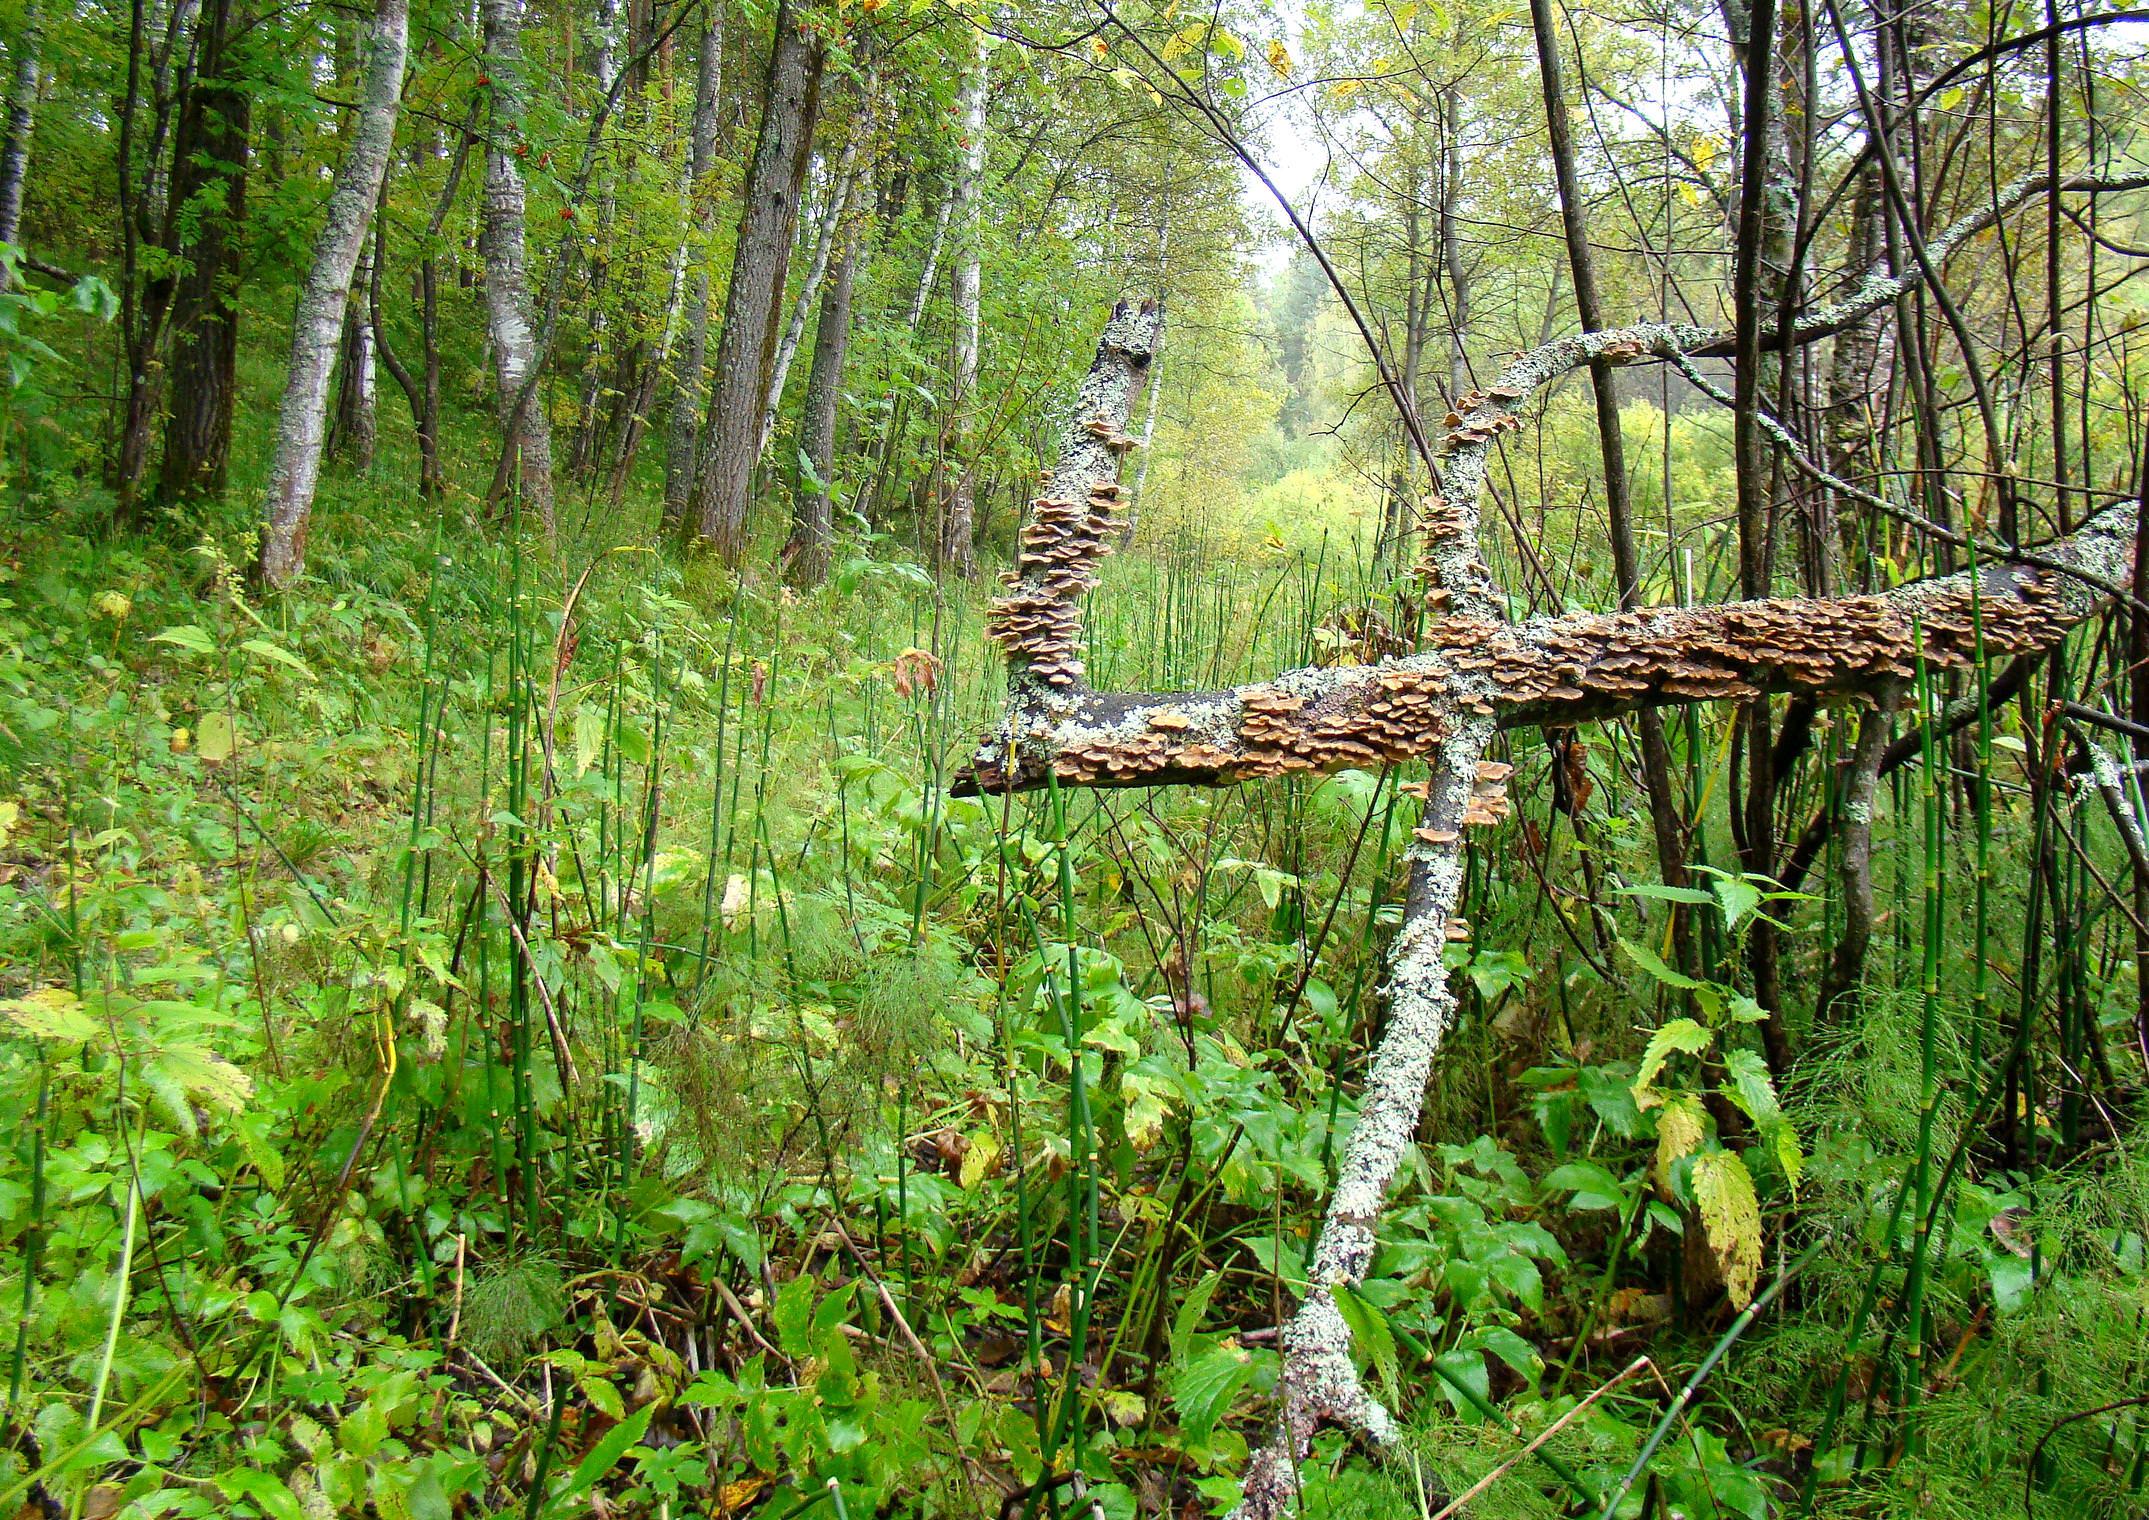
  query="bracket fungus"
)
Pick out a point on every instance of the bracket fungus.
point(1473, 674)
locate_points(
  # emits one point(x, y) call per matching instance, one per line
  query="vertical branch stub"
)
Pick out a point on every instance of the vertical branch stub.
point(1070, 527)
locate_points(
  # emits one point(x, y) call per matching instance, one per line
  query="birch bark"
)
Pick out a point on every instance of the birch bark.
point(525, 432)
point(21, 120)
point(295, 470)
point(958, 529)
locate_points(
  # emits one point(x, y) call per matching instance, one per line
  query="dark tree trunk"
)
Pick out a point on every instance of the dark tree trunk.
point(683, 426)
point(806, 555)
point(209, 152)
point(761, 261)
point(1664, 812)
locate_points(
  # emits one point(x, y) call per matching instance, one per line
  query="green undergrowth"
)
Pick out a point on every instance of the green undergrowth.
point(505, 1030)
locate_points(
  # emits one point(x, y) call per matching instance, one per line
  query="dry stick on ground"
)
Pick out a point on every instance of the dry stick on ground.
point(1477, 675)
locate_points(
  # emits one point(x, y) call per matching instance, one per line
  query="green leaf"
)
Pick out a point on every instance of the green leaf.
point(794, 1312)
point(1509, 1347)
point(1737, 897)
point(1464, 1370)
point(589, 736)
point(600, 1460)
point(1494, 971)
point(281, 655)
point(1188, 1319)
point(1593, 1186)
point(1679, 1034)
point(266, 1492)
point(1668, 894)
point(1653, 963)
point(214, 738)
point(1370, 1334)
point(186, 636)
point(1205, 1388)
point(1752, 1090)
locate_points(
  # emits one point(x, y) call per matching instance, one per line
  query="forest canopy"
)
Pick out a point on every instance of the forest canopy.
point(909, 758)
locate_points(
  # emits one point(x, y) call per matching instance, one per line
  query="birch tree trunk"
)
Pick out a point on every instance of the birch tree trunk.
point(806, 555)
point(682, 427)
point(957, 550)
point(589, 412)
point(351, 434)
point(931, 267)
point(760, 264)
point(1156, 394)
point(295, 470)
point(21, 120)
point(525, 433)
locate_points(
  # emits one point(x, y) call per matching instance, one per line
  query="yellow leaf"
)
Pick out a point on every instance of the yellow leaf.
point(981, 1160)
point(1280, 60)
point(52, 1013)
point(1731, 1216)
point(1146, 1112)
point(1679, 1131)
point(214, 739)
point(733, 1497)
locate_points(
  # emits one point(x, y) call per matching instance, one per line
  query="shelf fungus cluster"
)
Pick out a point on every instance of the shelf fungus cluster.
point(1473, 673)
point(1479, 418)
point(1040, 622)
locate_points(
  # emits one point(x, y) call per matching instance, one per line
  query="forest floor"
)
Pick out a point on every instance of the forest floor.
point(523, 1028)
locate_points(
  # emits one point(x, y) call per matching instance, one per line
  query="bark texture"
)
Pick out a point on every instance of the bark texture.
point(809, 288)
point(806, 555)
point(324, 303)
point(761, 261)
point(208, 215)
point(353, 431)
point(683, 426)
point(526, 433)
point(21, 122)
point(956, 550)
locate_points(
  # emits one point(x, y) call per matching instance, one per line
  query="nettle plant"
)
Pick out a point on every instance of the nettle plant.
point(1695, 1165)
point(1475, 673)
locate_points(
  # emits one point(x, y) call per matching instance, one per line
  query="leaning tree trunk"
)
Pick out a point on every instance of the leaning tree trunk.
point(761, 260)
point(683, 426)
point(806, 555)
point(209, 179)
point(295, 470)
point(957, 544)
point(21, 121)
point(526, 435)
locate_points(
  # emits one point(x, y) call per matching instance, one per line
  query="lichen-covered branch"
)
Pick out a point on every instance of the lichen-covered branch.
point(1320, 1382)
point(1070, 527)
